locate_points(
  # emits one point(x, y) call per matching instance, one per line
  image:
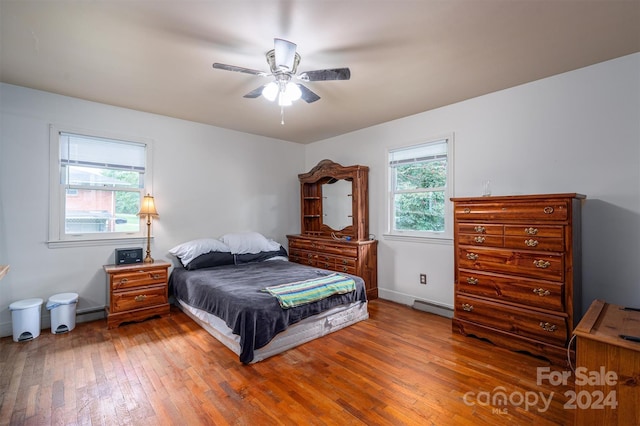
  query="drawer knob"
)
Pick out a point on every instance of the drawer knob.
point(140, 298)
point(531, 231)
point(156, 276)
point(467, 307)
point(541, 292)
point(479, 240)
point(472, 281)
point(548, 327)
point(345, 269)
point(466, 210)
point(123, 281)
point(548, 210)
point(309, 255)
point(472, 256)
point(531, 243)
point(344, 261)
point(480, 229)
point(541, 263)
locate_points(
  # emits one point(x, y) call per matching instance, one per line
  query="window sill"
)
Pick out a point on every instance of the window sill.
point(417, 239)
point(93, 243)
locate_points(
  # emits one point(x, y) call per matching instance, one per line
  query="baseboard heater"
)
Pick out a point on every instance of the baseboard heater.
point(432, 308)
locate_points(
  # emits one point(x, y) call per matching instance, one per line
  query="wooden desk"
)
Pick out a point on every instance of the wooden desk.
point(599, 348)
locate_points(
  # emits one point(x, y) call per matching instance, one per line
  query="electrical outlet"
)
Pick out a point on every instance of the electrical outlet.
point(423, 279)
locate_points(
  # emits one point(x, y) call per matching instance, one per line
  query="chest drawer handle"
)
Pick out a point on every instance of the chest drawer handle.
point(466, 210)
point(467, 307)
point(541, 292)
point(480, 229)
point(472, 256)
point(543, 264)
point(472, 281)
point(548, 210)
point(140, 298)
point(124, 281)
point(531, 243)
point(548, 327)
point(309, 255)
point(479, 240)
point(156, 276)
point(345, 269)
point(344, 261)
point(531, 231)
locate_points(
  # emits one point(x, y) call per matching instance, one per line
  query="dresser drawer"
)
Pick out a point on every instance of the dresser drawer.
point(136, 278)
point(540, 210)
point(541, 294)
point(481, 240)
point(528, 264)
point(480, 228)
point(303, 259)
point(326, 247)
point(535, 243)
point(144, 297)
point(534, 231)
point(540, 326)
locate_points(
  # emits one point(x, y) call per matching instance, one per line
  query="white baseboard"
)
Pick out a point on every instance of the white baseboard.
point(431, 306)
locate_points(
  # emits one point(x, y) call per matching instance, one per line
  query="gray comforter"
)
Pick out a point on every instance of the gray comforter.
point(234, 294)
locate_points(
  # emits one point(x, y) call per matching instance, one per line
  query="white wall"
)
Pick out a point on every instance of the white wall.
point(575, 132)
point(207, 181)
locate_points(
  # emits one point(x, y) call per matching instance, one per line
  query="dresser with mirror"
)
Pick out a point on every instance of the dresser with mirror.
point(334, 235)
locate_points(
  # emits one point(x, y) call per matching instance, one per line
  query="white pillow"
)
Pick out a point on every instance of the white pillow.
point(249, 242)
point(188, 251)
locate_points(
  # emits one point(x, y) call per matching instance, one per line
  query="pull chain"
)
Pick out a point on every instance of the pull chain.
point(281, 115)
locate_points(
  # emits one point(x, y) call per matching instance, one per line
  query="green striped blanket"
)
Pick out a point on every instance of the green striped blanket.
point(302, 292)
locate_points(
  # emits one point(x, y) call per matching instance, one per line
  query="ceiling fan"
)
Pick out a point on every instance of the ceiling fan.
point(283, 63)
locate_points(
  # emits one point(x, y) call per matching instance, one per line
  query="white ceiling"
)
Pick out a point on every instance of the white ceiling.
point(405, 56)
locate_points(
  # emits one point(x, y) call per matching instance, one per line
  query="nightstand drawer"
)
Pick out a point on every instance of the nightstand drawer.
point(140, 298)
point(136, 278)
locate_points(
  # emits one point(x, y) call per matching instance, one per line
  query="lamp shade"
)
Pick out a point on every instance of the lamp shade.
point(148, 206)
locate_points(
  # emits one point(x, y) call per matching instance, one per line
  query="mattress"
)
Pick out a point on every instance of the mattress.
point(304, 331)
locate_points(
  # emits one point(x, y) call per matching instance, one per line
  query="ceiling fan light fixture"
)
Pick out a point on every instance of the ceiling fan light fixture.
point(284, 100)
point(293, 91)
point(270, 91)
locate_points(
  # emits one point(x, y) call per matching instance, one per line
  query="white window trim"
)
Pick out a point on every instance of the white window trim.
point(57, 238)
point(445, 237)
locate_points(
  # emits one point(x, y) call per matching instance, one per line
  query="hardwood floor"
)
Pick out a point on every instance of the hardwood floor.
point(400, 367)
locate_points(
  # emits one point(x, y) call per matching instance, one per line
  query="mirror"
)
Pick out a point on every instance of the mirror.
point(337, 203)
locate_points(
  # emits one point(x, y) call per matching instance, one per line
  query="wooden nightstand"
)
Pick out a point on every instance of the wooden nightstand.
point(136, 292)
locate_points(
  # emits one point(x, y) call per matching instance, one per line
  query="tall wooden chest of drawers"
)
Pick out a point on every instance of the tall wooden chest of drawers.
point(353, 257)
point(517, 277)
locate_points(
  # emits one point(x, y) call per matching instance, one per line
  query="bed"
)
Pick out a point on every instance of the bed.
point(228, 295)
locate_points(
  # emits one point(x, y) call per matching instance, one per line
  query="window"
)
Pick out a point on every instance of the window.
point(420, 179)
point(97, 183)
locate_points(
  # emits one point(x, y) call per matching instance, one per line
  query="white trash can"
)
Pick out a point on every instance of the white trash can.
point(63, 312)
point(25, 316)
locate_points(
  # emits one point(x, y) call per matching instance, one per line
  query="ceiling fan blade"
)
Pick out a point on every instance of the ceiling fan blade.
point(328, 74)
point(285, 53)
point(238, 69)
point(307, 94)
point(254, 93)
